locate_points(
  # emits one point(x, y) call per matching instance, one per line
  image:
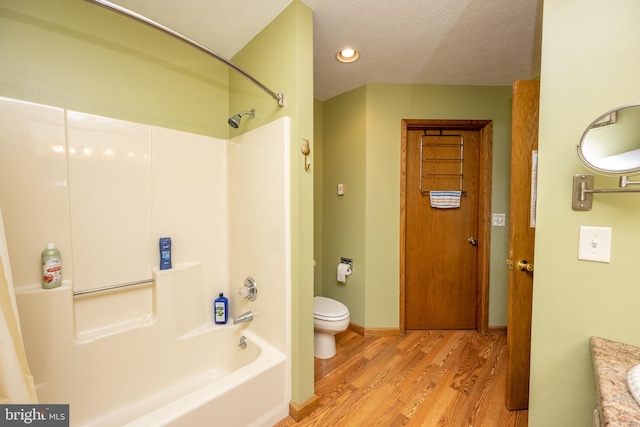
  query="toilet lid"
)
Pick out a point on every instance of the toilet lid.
point(329, 309)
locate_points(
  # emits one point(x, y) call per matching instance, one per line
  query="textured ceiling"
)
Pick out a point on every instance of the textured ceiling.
point(443, 42)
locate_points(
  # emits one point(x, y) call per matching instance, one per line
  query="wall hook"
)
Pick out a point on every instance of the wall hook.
point(306, 150)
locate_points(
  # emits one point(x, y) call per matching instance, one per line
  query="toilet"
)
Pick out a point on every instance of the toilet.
point(329, 318)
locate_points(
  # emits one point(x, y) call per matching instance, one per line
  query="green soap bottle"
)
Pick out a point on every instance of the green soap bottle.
point(51, 267)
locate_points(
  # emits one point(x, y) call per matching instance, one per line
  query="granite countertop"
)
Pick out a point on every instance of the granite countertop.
point(611, 361)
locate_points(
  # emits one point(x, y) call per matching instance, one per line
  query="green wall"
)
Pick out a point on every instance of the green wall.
point(590, 65)
point(344, 149)
point(282, 56)
point(75, 55)
point(318, 192)
point(361, 133)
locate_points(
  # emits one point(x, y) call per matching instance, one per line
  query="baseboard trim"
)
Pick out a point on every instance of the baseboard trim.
point(382, 332)
point(300, 412)
point(356, 328)
point(374, 332)
point(502, 330)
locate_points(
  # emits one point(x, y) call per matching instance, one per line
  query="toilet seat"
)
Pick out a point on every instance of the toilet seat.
point(330, 310)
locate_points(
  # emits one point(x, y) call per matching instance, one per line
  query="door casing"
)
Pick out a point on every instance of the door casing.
point(485, 128)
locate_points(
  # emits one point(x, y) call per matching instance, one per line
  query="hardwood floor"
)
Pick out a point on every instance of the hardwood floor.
point(426, 378)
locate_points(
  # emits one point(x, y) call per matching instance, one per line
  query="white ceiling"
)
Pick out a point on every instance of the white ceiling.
point(440, 42)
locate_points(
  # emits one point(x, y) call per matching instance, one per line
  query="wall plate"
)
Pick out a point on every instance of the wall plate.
point(595, 244)
point(581, 201)
point(499, 220)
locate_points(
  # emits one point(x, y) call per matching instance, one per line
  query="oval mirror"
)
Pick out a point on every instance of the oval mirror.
point(611, 143)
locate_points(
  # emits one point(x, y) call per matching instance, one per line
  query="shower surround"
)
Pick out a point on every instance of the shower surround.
point(104, 191)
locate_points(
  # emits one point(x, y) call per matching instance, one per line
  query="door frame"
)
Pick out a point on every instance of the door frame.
point(485, 127)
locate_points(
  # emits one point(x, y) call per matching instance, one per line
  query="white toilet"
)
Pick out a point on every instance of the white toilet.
point(329, 318)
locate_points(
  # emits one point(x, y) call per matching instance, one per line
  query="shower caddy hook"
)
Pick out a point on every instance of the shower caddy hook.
point(306, 150)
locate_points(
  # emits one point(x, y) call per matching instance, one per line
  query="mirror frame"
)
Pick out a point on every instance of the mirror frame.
point(591, 167)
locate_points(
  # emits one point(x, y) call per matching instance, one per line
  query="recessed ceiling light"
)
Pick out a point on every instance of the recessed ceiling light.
point(347, 55)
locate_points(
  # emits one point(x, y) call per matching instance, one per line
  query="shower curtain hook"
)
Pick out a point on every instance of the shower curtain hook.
point(306, 150)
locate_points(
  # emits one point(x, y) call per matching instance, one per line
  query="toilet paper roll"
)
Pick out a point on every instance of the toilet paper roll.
point(344, 270)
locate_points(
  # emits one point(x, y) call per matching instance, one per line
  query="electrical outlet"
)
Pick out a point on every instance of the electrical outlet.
point(340, 189)
point(499, 220)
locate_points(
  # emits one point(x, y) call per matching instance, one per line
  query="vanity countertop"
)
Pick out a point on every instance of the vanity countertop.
point(611, 361)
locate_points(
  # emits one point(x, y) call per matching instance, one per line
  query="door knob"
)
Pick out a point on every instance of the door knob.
point(524, 266)
point(473, 241)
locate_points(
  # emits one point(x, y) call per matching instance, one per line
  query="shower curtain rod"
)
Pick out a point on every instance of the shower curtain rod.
point(279, 97)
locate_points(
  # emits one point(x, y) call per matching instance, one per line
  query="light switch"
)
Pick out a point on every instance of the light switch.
point(595, 244)
point(340, 189)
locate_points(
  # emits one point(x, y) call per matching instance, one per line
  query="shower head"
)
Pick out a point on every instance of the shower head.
point(234, 121)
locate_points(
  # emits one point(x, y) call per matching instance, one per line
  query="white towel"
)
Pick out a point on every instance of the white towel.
point(445, 199)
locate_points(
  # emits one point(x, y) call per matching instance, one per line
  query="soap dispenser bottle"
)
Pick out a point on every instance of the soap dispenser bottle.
point(51, 267)
point(221, 309)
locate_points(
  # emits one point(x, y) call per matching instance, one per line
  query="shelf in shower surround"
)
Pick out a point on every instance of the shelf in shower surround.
point(174, 267)
point(109, 330)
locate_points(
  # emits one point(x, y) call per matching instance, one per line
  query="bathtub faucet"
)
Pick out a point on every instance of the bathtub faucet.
point(244, 317)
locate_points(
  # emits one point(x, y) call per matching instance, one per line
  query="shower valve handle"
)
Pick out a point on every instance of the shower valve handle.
point(249, 290)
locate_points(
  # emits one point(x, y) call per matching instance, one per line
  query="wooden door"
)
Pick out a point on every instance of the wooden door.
point(524, 145)
point(441, 253)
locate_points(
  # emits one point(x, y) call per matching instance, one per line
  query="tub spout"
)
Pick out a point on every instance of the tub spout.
point(244, 317)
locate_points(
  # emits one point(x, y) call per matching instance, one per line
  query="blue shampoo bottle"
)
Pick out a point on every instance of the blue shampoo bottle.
point(221, 310)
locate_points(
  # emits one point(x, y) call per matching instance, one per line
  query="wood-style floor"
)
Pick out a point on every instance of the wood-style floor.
point(426, 378)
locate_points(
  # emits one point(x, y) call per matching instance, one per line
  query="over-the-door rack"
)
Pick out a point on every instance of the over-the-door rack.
point(426, 162)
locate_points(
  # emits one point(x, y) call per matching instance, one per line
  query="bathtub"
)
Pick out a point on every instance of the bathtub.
point(240, 390)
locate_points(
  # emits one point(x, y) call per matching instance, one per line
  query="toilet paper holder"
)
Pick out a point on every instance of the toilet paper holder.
point(345, 269)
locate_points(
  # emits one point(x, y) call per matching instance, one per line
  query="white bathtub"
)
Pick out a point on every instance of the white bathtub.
point(245, 388)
